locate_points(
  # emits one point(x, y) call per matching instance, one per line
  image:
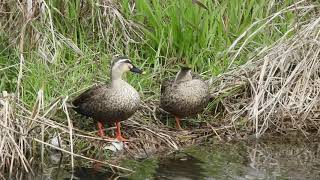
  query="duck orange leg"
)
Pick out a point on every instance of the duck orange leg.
point(118, 133)
point(101, 129)
point(178, 123)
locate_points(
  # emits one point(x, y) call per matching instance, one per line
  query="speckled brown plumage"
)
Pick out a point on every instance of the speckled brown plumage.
point(108, 104)
point(184, 98)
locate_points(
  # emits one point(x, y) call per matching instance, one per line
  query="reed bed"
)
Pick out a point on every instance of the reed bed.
point(277, 90)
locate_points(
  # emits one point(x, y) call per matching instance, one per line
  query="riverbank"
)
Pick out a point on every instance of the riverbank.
point(288, 156)
point(268, 74)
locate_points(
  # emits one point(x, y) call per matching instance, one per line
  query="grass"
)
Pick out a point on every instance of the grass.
point(58, 48)
point(78, 41)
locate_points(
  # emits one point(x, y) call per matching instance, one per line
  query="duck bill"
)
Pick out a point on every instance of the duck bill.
point(136, 70)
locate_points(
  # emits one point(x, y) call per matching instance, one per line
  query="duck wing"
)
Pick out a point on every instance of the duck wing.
point(208, 81)
point(165, 84)
point(196, 76)
point(87, 95)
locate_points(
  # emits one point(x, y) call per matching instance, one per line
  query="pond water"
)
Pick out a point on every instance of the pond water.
point(263, 159)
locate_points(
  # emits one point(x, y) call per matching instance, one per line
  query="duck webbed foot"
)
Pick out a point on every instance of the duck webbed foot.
point(118, 132)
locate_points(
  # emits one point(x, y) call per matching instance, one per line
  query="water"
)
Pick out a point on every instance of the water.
point(267, 159)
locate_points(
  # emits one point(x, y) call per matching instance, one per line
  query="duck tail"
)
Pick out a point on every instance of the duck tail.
point(209, 81)
point(71, 105)
point(68, 103)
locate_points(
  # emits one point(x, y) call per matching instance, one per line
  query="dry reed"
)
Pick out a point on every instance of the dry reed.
point(277, 90)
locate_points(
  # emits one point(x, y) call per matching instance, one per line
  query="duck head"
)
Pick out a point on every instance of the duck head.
point(183, 75)
point(121, 65)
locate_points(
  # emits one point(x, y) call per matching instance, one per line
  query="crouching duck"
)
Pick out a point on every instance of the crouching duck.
point(186, 95)
point(113, 102)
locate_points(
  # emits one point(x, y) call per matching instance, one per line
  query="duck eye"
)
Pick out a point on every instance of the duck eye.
point(127, 61)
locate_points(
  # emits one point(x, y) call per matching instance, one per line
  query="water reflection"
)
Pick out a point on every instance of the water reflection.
point(266, 159)
point(270, 159)
point(61, 173)
point(179, 166)
point(83, 173)
point(287, 158)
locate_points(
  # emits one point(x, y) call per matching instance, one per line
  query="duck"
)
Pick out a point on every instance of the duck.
point(185, 95)
point(111, 102)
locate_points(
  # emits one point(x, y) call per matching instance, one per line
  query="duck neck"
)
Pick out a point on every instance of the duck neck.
point(116, 74)
point(116, 78)
point(183, 76)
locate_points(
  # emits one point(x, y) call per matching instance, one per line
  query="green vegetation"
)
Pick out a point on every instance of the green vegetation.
point(69, 45)
point(52, 50)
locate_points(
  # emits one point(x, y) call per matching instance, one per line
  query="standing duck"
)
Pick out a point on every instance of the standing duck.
point(184, 96)
point(113, 102)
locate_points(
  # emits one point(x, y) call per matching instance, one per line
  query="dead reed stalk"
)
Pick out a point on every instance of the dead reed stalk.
point(20, 128)
point(277, 90)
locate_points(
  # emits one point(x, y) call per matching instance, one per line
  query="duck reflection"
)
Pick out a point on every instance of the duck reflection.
point(179, 167)
point(84, 173)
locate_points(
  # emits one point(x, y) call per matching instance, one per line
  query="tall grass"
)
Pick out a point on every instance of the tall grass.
point(183, 29)
point(69, 44)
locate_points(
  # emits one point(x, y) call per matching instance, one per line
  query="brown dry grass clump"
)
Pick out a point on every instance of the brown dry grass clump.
point(279, 89)
point(13, 138)
point(27, 134)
